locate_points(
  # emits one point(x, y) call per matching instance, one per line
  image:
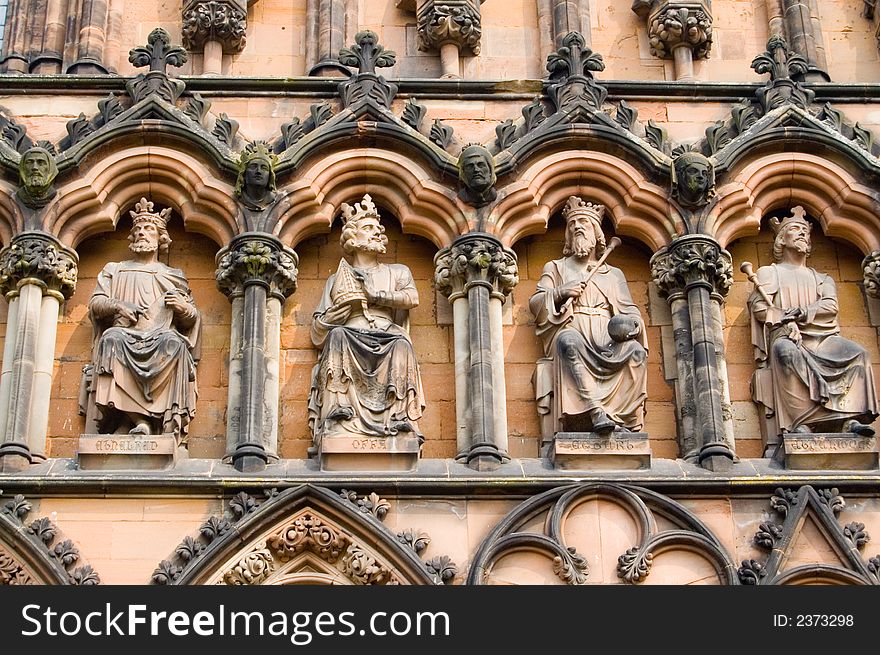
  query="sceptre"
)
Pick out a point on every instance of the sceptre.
point(613, 242)
point(746, 267)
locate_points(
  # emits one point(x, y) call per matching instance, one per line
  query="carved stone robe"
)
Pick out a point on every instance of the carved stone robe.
point(825, 379)
point(575, 336)
point(147, 368)
point(370, 369)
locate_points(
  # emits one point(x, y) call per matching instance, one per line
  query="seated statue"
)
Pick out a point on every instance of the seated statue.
point(366, 381)
point(143, 376)
point(809, 378)
point(592, 377)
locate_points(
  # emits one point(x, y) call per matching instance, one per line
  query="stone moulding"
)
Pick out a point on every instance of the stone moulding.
point(34, 553)
point(634, 565)
point(304, 533)
point(794, 508)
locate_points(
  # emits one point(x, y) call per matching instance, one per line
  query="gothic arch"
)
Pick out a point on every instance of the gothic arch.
point(32, 554)
point(92, 203)
point(553, 509)
point(306, 535)
point(424, 206)
point(844, 207)
point(635, 206)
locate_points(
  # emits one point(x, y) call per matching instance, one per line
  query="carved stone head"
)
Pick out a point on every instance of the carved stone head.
point(36, 171)
point(476, 171)
point(693, 179)
point(255, 184)
point(362, 229)
point(583, 228)
point(792, 232)
point(149, 229)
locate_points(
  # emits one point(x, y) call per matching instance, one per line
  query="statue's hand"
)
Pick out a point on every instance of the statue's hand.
point(177, 301)
point(568, 290)
point(795, 314)
point(336, 315)
point(126, 314)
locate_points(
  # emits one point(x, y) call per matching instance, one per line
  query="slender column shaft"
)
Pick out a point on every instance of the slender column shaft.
point(683, 61)
point(250, 450)
point(233, 412)
point(684, 360)
point(461, 341)
point(23, 361)
point(43, 364)
point(480, 374)
point(499, 384)
point(449, 60)
point(213, 58)
point(9, 346)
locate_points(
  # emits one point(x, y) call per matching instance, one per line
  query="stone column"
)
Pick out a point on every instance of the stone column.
point(215, 27)
point(680, 30)
point(556, 18)
point(477, 273)
point(798, 22)
point(450, 26)
point(15, 38)
point(328, 30)
point(257, 273)
point(37, 274)
point(694, 274)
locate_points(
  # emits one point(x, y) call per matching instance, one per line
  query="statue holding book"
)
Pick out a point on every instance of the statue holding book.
point(366, 381)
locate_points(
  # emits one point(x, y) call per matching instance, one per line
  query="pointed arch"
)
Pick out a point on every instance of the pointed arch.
point(554, 508)
point(636, 207)
point(424, 206)
point(307, 534)
point(844, 207)
point(92, 203)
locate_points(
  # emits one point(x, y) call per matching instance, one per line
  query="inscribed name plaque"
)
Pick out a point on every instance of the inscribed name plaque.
point(359, 453)
point(834, 451)
point(120, 452)
point(591, 451)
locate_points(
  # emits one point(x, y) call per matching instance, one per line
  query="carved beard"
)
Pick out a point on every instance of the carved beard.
point(143, 246)
point(372, 245)
point(582, 245)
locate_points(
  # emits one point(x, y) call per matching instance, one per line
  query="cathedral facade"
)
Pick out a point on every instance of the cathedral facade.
point(419, 292)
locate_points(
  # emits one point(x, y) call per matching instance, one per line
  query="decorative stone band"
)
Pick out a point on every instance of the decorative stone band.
point(871, 266)
point(674, 24)
point(475, 258)
point(449, 21)
point(38, 258)
point(256, 258)
point(692, 260)
point(223, 21)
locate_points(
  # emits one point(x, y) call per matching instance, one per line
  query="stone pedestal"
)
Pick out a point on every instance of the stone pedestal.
point(590, 451)
point(123, 452)
point(359, 453)
point(832, 451)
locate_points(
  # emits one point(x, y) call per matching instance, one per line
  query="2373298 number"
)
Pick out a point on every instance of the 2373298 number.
point(823, 620)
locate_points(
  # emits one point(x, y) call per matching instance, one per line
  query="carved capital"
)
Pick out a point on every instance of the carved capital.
point(692, 260)
point(223, 21)
point(449, 21)
point(871, 266)
point(38, 258)
point(475, 259)
point(254, 258)
point(674, 24)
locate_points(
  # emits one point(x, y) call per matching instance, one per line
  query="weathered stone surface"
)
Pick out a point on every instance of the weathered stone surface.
point(102, 452)
point(829, 452)
point(591, 451)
